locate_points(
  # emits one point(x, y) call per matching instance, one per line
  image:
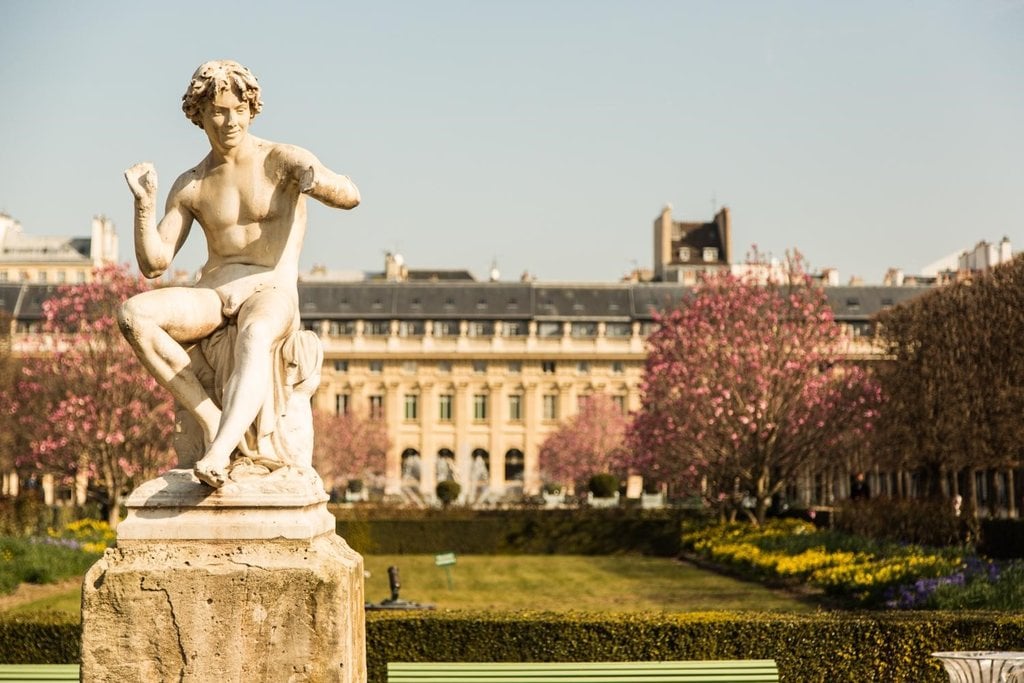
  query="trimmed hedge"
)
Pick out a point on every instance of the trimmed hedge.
point(808, 648)
point(529, 532)
point(824, 647)
point(43, 638)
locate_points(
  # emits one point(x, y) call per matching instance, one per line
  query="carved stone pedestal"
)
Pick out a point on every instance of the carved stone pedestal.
point(211, 586)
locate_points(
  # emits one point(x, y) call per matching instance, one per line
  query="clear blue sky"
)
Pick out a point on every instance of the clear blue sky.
point(547, 134)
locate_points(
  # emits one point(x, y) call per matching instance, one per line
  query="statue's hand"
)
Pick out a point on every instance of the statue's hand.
point(142, 181)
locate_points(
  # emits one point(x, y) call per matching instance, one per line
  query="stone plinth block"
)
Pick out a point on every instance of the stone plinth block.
point(219, 611)
point(238, 584)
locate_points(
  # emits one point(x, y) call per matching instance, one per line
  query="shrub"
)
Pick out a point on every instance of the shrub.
point(920, 522)
point(1002, 538)
point(603, 485)
point(448, 491)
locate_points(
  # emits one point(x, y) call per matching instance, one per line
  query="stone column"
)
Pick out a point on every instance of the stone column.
point(248, 582)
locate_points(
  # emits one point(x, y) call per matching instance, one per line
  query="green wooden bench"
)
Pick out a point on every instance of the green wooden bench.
point(722, 671)
point(38, 672)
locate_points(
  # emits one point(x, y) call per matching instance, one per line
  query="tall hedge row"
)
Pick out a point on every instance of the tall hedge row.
point(563, 532)
point(808, 648)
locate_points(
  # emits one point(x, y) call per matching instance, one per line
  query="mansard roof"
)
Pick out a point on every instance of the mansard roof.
point(495, 300)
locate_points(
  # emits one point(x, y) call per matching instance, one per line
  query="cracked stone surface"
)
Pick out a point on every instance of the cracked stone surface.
point(253, 610)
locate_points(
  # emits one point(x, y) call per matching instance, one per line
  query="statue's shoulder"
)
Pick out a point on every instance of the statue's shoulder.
point(187, 184)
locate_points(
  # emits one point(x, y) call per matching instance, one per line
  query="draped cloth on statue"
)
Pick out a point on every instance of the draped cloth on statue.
point(282, 433)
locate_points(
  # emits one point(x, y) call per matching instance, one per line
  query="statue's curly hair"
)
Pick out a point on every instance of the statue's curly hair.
point(216, 76)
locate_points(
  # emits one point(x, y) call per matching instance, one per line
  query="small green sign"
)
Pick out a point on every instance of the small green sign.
point(444, 559)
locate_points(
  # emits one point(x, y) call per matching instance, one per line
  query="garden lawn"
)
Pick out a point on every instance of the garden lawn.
point(560, 583)
point(615, 583)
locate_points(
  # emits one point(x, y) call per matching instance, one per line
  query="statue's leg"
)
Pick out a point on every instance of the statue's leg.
point(264, 318)
point(156, 324)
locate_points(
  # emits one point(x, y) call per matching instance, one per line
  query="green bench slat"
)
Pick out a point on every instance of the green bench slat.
point(710, 671)
point(38, 672)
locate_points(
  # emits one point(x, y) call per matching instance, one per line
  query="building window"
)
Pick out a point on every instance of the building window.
point(444, 405)
point(647, 328)
point(479, 407)
point(377, 328)
point(62, 276)
point(412, 406)
point(515, 465)
point(480, 328)
point(376, 367)
point(514, 328)
point(583, 330)
point(410, 328)
point(446, 328)
point(710, 254)
point(515, 367)
point(3, 276)
point(376, 407)
point(515, 407)
point(341, 403)
point(43, 276)
point(683, 254)
point(582, 367)
point(341, 366)
point(409, 367)
point(444, 367)
point(549, 329)
point(547, 367)
point(617, 367)
point(620, 403)
point(479, 367)
point(618, 330)
point(341, 328)
point(80, 276)
point(853, 304)
point(311, 325)
point(550, 407)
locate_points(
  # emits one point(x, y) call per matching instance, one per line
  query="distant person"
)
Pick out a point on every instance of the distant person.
point(859, 489)
point(249, 197)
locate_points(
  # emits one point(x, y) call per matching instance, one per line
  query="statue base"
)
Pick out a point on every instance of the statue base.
point(238, 584)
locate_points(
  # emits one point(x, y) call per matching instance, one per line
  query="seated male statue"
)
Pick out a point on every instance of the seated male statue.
point(249, 197)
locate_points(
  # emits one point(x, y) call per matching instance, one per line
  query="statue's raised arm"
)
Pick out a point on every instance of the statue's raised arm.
point(315, 179)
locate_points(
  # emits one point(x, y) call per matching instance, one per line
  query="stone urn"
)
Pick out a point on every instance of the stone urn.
point(983, 666)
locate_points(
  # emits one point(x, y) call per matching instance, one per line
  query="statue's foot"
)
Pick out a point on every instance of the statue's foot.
point(211, 477)
point(211, 472)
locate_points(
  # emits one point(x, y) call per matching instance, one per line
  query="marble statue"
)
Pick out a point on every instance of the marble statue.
point(229, 348)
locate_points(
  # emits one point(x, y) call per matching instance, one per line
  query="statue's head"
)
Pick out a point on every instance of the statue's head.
point(217, 76)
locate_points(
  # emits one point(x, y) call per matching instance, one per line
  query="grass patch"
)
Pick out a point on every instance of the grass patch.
point(615, 584)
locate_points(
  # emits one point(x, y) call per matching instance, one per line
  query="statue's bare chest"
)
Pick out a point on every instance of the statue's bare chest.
point(237, 195)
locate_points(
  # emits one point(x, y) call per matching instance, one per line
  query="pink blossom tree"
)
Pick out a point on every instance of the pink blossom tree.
point(744, 386)
point(349, 446)
point(90, 406)
point(590, 442)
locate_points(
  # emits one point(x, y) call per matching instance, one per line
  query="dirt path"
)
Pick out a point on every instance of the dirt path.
point(30, 592)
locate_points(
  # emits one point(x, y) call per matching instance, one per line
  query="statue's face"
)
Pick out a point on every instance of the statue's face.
point(226, 119)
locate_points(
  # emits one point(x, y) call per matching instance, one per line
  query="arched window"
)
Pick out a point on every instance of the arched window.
point(445, 464)
point(411, 464)
point(515, 465)
point(480, 467)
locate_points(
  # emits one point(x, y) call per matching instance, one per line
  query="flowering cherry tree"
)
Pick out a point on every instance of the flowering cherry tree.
point(349, 446)
point(744, 386)
point(588, 443)
point(90, 406)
